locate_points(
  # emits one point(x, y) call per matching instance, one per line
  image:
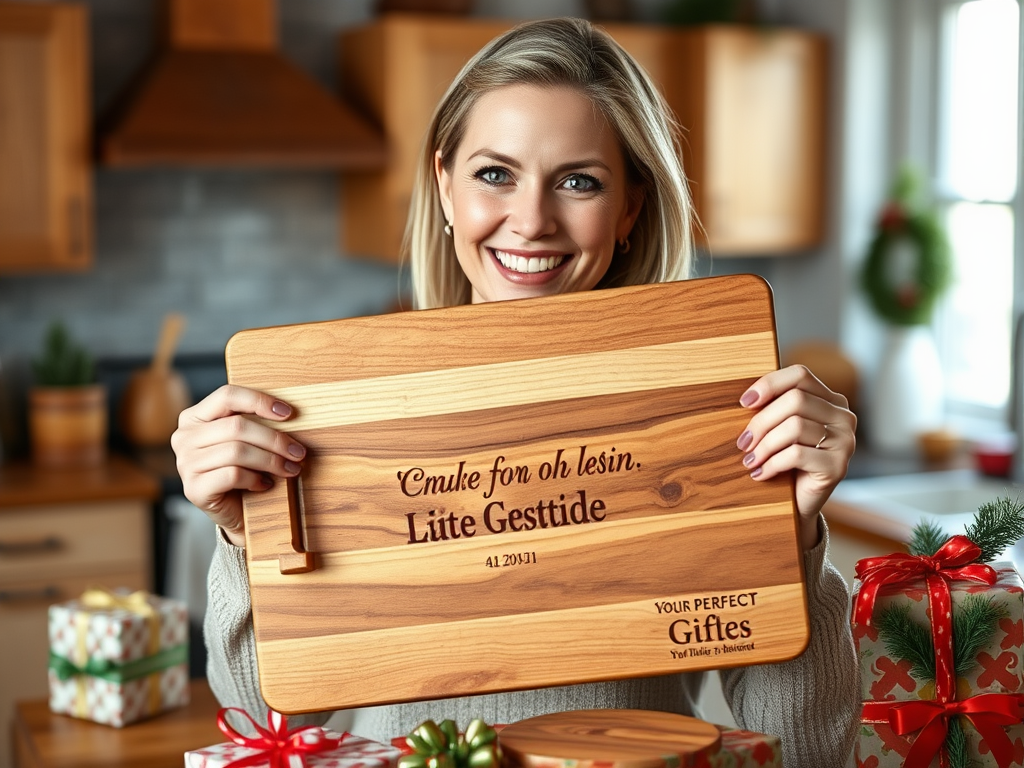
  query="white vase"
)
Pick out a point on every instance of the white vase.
point(909, 392)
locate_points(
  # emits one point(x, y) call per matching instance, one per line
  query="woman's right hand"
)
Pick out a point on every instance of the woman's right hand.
point(221, 452)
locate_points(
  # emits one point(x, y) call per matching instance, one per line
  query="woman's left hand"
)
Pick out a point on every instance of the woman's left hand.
point(799, 424)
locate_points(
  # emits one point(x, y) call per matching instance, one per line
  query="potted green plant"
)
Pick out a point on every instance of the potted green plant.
point(67, 408)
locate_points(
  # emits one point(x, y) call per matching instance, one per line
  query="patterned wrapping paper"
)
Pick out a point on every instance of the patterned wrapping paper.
point(353, 752)
point(113, 640)
point(746, 749)
point(999, 668)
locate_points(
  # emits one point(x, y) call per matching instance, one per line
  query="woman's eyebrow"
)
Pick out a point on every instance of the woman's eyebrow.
point(498, 157)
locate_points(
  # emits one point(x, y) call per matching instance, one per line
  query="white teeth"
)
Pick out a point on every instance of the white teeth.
point(524, 265)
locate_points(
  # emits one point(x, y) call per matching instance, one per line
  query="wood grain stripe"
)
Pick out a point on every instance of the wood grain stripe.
point(573, 566)
point(437, 339)
point(414, 395)
point(675, 450)
point(502, 654)
point(446, 435)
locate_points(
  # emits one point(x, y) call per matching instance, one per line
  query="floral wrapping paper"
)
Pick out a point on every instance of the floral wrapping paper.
point(353, 752)
point(999, 668)
point(117, 636)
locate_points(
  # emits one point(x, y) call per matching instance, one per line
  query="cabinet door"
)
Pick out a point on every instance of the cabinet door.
point(45, 183)
point(758, 120)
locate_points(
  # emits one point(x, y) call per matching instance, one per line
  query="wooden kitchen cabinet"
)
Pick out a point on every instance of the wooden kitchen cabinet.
point(751, 104)
point(60, 533)
point(45, 167)
point(396, 70)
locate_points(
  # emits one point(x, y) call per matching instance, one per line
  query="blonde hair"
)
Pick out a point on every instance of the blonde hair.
point(572, 53)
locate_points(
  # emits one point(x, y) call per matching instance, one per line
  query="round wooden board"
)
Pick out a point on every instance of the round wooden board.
point(609, 738)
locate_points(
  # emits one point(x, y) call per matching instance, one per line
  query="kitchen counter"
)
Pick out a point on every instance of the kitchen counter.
point(62, 531)
point(25, 484)
point(45, 740)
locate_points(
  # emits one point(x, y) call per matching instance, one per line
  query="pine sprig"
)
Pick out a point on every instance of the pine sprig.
point(926, 538)
point(956, 745)
point(996, 526)
point(975, 622)
point(907, 640)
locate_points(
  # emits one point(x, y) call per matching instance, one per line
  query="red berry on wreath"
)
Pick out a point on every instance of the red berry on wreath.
point(892, 217)
point(907, 296)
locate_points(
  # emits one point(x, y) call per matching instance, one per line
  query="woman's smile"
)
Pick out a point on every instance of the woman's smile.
point(535, 266)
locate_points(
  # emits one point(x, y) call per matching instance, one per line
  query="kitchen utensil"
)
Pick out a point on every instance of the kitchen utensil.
point(519, 494)
point(154, 396)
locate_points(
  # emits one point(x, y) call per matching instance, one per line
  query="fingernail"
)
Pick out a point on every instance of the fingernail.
point(749, 398)
point(268, 481)
point(296, 450)
point(281, 409)
point(749, 459)
point(292, 468)
point(745, 440)
point(756, 473)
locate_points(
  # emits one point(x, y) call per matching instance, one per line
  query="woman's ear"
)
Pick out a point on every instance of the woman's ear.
point(634, 204)
point(444, 185)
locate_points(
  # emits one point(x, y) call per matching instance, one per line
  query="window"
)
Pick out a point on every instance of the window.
point(976, 183)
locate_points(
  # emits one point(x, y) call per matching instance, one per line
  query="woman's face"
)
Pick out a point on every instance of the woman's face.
point(537, 194)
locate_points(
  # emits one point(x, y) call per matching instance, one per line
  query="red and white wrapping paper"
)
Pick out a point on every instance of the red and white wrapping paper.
point(886, 682)
point(277, 746)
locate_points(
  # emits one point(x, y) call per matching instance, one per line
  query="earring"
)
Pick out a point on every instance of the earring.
point(448, 229)
point(624, 245)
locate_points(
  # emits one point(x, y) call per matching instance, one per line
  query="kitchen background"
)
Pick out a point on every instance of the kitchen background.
point(232, 249)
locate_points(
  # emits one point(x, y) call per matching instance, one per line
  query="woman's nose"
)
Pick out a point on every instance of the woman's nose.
point(532, 214)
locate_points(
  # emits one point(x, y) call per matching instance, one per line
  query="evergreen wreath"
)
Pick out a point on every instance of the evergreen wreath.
point(996, 525)
point(910, 303)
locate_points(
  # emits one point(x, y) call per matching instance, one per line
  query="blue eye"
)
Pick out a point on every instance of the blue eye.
point(492, 175)
point(580, 182)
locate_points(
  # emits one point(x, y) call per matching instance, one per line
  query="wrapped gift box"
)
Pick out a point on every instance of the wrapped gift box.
point(352, 752)
point(998, 667)
point(118, 657)
point(746, 749)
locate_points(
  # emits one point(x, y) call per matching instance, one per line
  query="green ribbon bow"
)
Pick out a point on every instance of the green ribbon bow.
point(113, 672)
point(442, 746)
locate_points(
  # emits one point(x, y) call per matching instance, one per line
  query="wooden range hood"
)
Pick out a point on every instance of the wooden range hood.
point(219, 93)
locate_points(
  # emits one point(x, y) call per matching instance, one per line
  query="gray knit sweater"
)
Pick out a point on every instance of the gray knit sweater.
point(810, 703)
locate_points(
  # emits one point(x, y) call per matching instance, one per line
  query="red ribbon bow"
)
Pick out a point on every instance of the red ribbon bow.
point(990, 713)
point(954, 561)
point(276, 743)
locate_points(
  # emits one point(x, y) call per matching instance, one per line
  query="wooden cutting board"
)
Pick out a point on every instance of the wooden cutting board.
point(609, 738)
point(519, 494)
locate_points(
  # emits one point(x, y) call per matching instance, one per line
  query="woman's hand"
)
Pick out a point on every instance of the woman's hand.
point(221, 452)
point(799, 424)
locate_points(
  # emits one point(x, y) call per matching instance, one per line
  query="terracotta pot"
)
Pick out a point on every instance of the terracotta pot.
point(68, 425)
